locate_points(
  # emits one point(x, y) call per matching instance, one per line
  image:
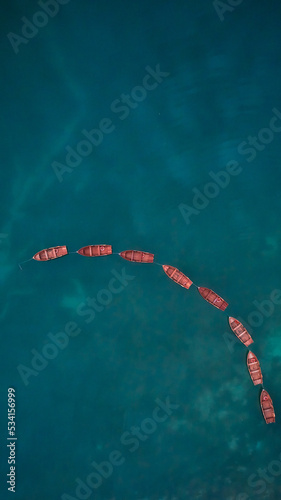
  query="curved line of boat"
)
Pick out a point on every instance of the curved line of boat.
point(181, 279)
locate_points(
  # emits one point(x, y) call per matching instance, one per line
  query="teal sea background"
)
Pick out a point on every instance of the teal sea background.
point(147, 396)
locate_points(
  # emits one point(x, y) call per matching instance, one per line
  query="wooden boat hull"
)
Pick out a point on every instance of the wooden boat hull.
point(95, 250)
point(51, 253)
point(177, 276)
point(137, 256)
point(254, 368)
point(267, 407)
point(213, 298)
point(240, 331)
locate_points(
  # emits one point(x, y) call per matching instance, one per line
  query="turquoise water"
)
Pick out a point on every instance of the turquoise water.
point(152, 126)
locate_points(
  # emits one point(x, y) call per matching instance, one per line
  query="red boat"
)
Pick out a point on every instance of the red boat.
point(240, 331)
point(51, 253)
point(213, 298)
point(95, 250)
point(177, 276)
point(254, 368)
point(267, 407)
point(137, 256)
point(181, 279)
